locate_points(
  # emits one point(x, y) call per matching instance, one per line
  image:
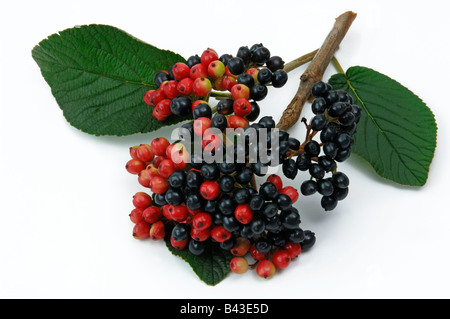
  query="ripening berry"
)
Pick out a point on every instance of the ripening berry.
point(135, 166)
point(241, 247)
point(144, 178)
point(281, 259)
point(294, 249)
point(142, 200)
point(210, 190)
point(178, 213)
point(144, 153)
point(208, 56)
point(220, 234)
point(147, 99)
point(243, 214)
point(240, 91)
point(170, 89)
point(158, 116)
point(184, 87)
point(216, 69)
point(141, 230)
point(166, 168)
point(291, 192)
point(257, 255)
point(157, 96)
point(136, 215)
point(239, 265)
point(133, 152)
point(200, 234)
point(276, 180)
point(201, 125)
point(180, 71)
point(151, 214)
point(265, 269)
point(229, 82)
point(201, 221)
point(219, 84)
point(211, 141)
point(254, 73)
point(236, 121)
point(163, 108)
point(157, 231)
point(201, 87)
point(199, 71)
point(159, 146)
point(159, 185)
point(180, 245)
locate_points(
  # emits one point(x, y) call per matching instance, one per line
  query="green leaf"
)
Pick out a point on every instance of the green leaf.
point(397, 131)
point(211, 267)
point(99, 75)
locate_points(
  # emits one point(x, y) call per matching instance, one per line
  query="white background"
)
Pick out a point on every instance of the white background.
point(65, 195)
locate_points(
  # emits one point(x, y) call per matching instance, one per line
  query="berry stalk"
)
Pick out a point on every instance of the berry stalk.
point(316, 69)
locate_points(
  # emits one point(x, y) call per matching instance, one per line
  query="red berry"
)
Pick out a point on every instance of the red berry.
point(180, 245)
point(294, 249)
point(179, 155)
point(276, 180)
point(229, 82)
point(135, 166)
point(210, 190)
point(142, 200)
point(239, 265)
point(163, 108)
point(136, 215)
point(240, 91)
point(242, 107)
point(141, 230)
point(144, 153)
point(216, 69)
point(201, 87)
point(199, 71)
point(185, 86)
point(157, 96)
point(241, 247)
point(152, 214)
point(180, 71)
point(166, 168)
point(170, 89)
point(151, 170)
point(157, 231)
point(254, 73)
point(220, 234)
point(208, 56)
point(147, 98)
point(236, 121)
point(219, 84)
point(178, 213)
point(133, 152)
point(243, 214)
point(144, 178)
point(158, 116)
point(159, 185)
point(291, 192)
point(257, 255)
point(200, 234)
point(157, 161)
point(201, 221)
point(281, 259)
point(265, 269)
point(201, 125)
point(211, 141)
point(166, 211)
point(159, 146)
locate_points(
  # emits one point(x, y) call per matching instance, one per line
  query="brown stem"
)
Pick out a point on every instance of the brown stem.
point(300, 61)
point(316, 69)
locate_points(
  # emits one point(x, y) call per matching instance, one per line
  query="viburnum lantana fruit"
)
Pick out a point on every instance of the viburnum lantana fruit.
point(204, 185)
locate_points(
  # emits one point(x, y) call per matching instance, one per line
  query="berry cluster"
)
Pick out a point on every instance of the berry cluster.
point(186, 87)
point(335, 121)
point(199, 203)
